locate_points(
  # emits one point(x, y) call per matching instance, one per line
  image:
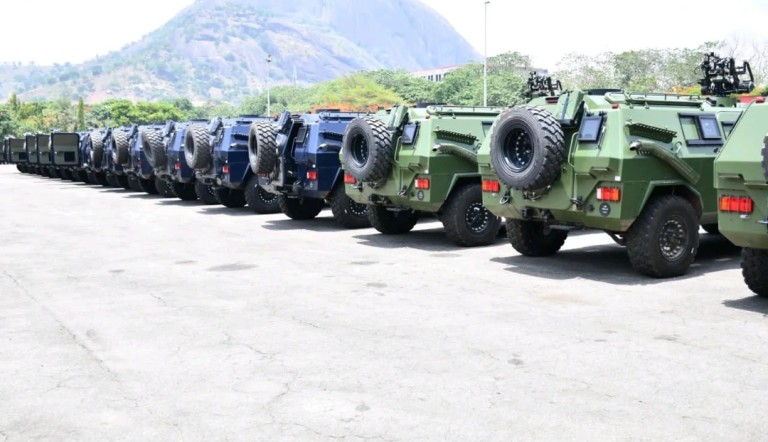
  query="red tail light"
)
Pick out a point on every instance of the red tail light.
point(225, 169)
point(177, 166)
point(349, 179)
point(422, 183)
point(312, 175)
point(612, 194)
point(737, 204)
point(491, 186)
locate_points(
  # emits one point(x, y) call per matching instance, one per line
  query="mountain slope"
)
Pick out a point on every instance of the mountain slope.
point(217, 49)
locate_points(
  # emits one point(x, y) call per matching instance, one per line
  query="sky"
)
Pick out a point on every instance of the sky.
point(545, 30)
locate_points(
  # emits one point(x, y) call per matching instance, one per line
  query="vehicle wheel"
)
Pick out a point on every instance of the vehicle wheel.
point(467, 222)
point(262, 148)
point(300, 209)
point(392, 222)
point(164, 188)
point(112, 180)
point(97, 149)
point(101, 178)
point(664, 240)
point(346, 212)
point(83, 176)
point(197, 148)
point(153, 147)
point(184, 191)
point(66, 174)
point(20, 168)
point(121, 150)
point(535, 239)
point(123, 181)
point(367, 150)
point(712, 229)
point(754, 267)
point(147, 186)
point(527, 148)
point(258, 199)
point(56, 173)
point(205, 193)
point(232, 198)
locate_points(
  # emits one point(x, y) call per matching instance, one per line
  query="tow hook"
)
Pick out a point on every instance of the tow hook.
point(578, 202)
point(402, 192)
point(505, 199)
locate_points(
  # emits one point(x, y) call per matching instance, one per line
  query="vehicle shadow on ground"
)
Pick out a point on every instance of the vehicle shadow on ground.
point(221, 210)
point(142, 196)
point(609, 263)
point(432, 239)
point(177, 202)
point(753, 304)
point(319, 224)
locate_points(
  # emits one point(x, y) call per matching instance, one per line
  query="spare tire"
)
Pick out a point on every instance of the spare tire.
point(262, 148)
point(121, 150)
point(197, 147)
point(97, 150)
point(367, 150)
point(154, 148)
point(765, 157)
point(527, 148)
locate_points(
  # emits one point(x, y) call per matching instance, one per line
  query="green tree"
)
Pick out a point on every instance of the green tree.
point(80, 114)
point(412, 89)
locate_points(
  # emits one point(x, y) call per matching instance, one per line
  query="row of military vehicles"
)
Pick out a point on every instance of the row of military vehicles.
point(648, 169)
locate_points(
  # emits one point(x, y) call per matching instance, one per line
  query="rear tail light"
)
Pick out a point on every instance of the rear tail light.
point(612, 194)
point(177, 166)
point(349, 179)
point(422, 183)
point(225, 169)
point(737, 204)
point(491, 186)
point(312, 175)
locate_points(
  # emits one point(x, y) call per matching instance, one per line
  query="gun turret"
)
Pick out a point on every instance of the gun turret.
point(723, 77)
point(542, 86)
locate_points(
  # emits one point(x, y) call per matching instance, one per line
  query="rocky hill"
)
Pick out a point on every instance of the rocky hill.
point(217, 49)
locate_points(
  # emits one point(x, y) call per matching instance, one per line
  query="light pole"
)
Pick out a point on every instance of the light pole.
point(485, 56)
point(269, 99)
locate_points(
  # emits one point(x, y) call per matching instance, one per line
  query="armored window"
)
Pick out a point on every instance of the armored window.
point(590, 128)
point(410, 133)
point(701, 130)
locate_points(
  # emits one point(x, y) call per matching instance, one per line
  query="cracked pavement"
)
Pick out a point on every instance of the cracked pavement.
point(129, 317)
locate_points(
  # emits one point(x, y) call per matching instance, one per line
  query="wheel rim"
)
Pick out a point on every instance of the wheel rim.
point(359, 151)
point(266, 197)
point(518, 150)
point(673, 239)
point(477, 218)
point(357, 209)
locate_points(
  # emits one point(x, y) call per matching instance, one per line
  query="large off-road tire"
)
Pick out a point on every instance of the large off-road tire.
point(111, 180)
point(754, 267)
point(197, 148)
point(164, 188)
point(527, 148)
point(147, 186)
point(121, 149)
point(390, 222)
point(300, 209)
point(67, 174)
point(134, 183)
point(262, 148)
point(663, 241)
point(535, 239)
point(56, 173)
point(101, 179)
point(712, 229)
point(184, 191)
point(21, 168)
point(205, 193)
point(97, 150)
point(123, 181)
point(467, 222)
point(258, 199)
point(346, 212)
point(231, 198)
point(83, 177)
point(154, 148)
point(367, 150)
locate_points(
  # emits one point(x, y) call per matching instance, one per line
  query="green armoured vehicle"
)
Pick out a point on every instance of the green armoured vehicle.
point(741, 178)
point(637, 166)
point(420, 159)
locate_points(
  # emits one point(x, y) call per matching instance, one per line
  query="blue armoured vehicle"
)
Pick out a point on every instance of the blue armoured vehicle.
point(139, 170)
point(297, 160)
point(219, 155)
point(170, 165)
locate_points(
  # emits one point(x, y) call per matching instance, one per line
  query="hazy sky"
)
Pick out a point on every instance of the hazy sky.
point(544, 29)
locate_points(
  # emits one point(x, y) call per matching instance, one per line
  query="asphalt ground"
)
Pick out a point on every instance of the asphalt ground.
point(130, 317)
